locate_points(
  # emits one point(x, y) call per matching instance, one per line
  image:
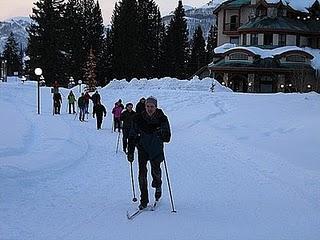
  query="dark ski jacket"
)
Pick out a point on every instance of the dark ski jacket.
point(127, 118)
point(81, 102)
point(149, 134)
point(57, 98)
point(140, 107)
point(100, 110)
point(95, 98)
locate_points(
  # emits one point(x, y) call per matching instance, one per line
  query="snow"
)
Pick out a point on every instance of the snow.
point(265, 53)
point(241, 166)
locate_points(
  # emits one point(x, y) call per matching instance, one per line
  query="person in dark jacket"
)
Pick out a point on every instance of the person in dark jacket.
point(126, 118)
point(95, 98)
point(57, 101)
point(150, 129)
point(82, 107)
point(86, 102)
point(101, 112)
point(140, 107)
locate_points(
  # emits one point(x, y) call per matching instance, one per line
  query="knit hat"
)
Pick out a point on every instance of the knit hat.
point(129, 104)
point(153, 100)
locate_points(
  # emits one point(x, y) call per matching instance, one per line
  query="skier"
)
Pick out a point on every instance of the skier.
point(86, 102)
point(71, 100)
point(100, 111)
point(116, 111)
point(82, 107)
point(57, 101)
point(95, 98)
point(150, 129)
point(140, 107)
point(126, 118)
point(120, 104)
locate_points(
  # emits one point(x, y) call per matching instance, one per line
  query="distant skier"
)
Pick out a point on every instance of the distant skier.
point(116, 111)
point(95, 98)
point(71, 100)
point(150, 129)
point(57, 101)
point(86, 102)
point(82, 107)
point(101, 112)
point(120, 104)
point(126, 118)
point(140, 107)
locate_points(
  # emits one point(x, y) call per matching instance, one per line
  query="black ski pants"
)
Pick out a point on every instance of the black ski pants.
point(143, 171)
point(99, 121)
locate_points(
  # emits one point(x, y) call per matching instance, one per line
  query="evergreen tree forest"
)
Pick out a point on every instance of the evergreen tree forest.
point(12, 54)
point(68, 36)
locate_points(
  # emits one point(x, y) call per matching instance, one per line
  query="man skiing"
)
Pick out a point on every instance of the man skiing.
point(100, 111)
point(141, 105)
point(96, 98)
point(57, 101)
point(82, 107)
point(150, 129)
point(126, 118)
point(71, 100)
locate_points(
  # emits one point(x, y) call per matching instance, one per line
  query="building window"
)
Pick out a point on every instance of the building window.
point(238, 56)
point(298, 40)
point(234, 40)
point(234, 23)
point(295, 58)
point(244, 39)
point(254, 39)
point(261, 11)
point(282, 40)
point(268, 39)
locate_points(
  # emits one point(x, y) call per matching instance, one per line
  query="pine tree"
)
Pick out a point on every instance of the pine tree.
point(175, 46)
point(212, 42)
point(125, 39)
point(11, 54)
point(104, 69)
point(90, 74)
point(198, 52)
point(45, 41)
point(149, 23)
point(73, 39)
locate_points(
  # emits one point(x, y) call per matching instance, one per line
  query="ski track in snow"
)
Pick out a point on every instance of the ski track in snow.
point(224, 186)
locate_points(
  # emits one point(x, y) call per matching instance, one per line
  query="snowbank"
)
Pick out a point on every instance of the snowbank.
point(167, 83)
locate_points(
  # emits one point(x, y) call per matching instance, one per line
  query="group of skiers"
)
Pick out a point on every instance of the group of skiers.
point(147, 129)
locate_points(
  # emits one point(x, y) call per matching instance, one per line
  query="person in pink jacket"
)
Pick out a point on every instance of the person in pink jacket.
point(116, 111)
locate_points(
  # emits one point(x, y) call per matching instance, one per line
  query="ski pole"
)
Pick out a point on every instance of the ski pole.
point(132, 183)
point(169, 187)
point(118, 142)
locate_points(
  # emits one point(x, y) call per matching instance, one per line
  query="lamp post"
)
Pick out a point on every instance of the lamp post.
point(80, 82)
point(38, 72)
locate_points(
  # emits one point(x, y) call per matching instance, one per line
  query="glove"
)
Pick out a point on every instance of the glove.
point(165, 136)
point(130, 157)
point(93, 116)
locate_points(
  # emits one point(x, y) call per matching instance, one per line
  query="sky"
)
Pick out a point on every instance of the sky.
point(13, 8)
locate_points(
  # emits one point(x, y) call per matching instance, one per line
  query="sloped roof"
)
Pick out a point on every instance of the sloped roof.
point(281, 24)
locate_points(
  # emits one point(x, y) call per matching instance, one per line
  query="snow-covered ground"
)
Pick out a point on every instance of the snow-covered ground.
point(242, 166)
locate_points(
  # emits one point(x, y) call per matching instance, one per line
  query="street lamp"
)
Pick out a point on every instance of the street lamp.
point(80, 82)
point(38, 72)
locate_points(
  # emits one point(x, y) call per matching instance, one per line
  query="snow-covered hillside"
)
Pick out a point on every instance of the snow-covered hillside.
point(17, 25)
point(202, 16)
point(242, 166)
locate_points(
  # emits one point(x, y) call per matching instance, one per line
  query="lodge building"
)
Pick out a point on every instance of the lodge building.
point(267, 46)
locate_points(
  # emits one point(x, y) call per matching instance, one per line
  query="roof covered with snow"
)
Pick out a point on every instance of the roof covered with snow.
point(266, 53)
